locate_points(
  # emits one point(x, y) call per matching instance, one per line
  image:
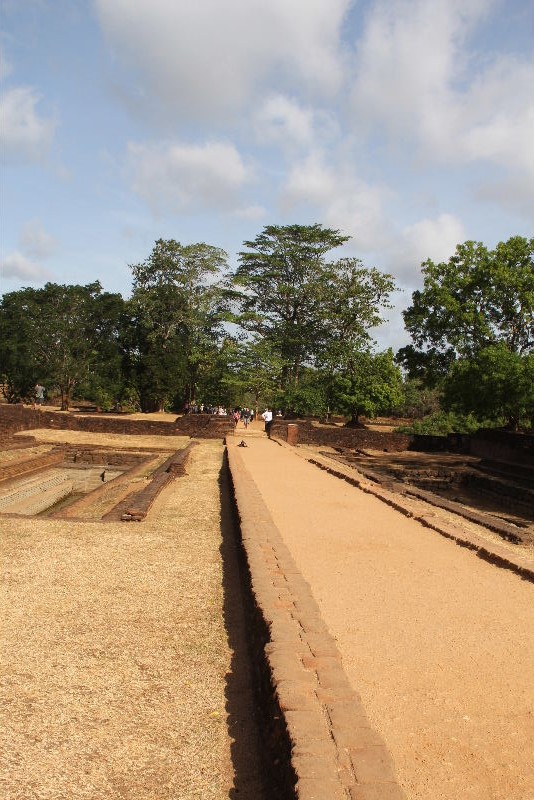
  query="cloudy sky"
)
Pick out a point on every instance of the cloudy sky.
point(407, 124)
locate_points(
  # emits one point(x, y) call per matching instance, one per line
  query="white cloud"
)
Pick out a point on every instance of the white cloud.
point(417, 80)
point(281, 120)
point(17, 265)
point(429, 238)
point(210, 60)
point(36, 242)
point(24, 135)
point(339, 198)
point(407, 60)
point(253, 212)
point(187, 178)
point(499, 116)
point(513, 192)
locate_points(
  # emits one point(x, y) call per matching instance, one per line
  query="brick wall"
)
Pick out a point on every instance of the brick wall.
point(517, 448)
point(14, 418)
point(333, 436)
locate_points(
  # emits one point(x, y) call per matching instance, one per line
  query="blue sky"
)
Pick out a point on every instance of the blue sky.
point(407, 124)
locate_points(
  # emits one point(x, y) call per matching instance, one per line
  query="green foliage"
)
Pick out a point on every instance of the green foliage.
point(283, 277)
point(441, 423)
point(308, 398)
point(308, 311)
point(472, 328)
point(417, 400)
point(498, 384)
point(254, 370)
point(19, 371)
point(177, 311)
point(477, 299)
point(65, 332)
point(372, 386)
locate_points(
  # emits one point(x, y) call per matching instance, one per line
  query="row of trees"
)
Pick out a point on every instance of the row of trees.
point(290, 326)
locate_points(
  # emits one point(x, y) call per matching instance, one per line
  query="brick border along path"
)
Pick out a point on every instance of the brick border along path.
point(335, 751)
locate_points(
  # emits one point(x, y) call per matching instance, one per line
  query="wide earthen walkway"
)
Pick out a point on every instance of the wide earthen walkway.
point(438, 642)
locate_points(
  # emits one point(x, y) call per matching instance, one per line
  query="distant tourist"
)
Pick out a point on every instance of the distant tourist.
point(268, 419)
point(39, 393)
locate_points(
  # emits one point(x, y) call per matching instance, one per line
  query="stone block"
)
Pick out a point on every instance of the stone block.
point(319, 767)
point(313, 789)
point(372, 764)
point(295, 696)
point(332, 677)
point(321, 662)
point(306, 725)
point(376, 791)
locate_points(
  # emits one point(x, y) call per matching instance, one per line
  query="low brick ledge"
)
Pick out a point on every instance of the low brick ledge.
point(335, 753)
point(25, 467)
point(136, 506)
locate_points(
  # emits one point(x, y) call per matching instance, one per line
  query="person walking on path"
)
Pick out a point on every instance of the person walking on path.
point(245, 414)
point(39, 393)
point(268, 419)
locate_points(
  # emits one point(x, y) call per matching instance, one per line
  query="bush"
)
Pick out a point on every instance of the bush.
point(442, 423)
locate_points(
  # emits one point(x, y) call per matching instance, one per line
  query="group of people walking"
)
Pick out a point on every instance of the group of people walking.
point(246, 416)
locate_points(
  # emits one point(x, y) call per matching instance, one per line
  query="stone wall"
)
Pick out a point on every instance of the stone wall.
point(495, 445)
point(334, 436)
point(516, 448)
point(15, 418)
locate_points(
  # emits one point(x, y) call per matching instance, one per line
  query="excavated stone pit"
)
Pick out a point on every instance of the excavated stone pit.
point(83, 483)
point(499, 495)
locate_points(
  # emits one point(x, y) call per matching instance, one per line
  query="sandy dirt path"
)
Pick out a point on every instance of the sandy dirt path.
point(120, 680)
point(439, 643)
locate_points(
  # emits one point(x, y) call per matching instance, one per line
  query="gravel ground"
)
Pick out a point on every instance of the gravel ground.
point(114, 653)
point(106, 439)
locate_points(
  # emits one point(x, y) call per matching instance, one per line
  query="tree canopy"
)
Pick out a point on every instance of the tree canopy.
point(311, 311)
point(478, 298)
point(292, 325)
point(61, 332)
point(178, 310)
point(472, 324)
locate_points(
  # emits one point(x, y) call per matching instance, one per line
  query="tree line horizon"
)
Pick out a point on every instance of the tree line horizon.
point(289, 327)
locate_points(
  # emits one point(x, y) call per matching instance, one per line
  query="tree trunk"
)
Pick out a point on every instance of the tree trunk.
point(354, 421)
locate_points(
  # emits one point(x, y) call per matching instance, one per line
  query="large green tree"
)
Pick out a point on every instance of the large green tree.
point(354, 301)
point(477, 298)
point(497, 384)
point(19, 370)
point(64, 334)
point(283, 277)
point(371, 385)
point(253, 373)
point(177, 308)
point(474, 316)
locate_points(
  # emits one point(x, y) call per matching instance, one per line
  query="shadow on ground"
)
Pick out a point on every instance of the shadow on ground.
point(259, 772)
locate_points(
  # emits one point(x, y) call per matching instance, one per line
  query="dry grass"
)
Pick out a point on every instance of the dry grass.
point(114, 651)
point(118, 440)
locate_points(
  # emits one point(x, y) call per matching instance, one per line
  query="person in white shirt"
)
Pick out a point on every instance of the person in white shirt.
point(268, 419)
